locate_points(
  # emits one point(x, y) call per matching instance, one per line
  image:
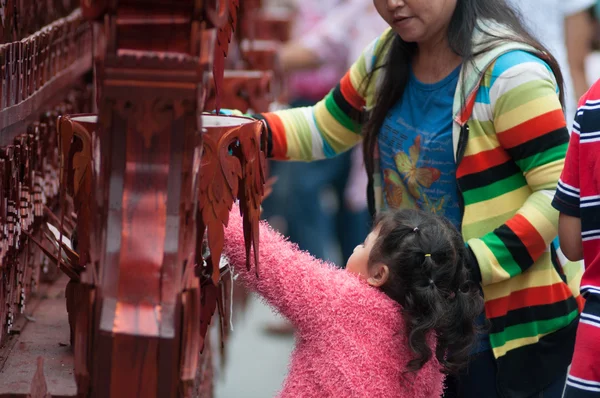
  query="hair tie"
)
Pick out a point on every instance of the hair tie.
point(428, 255)
point(431, 283)
point(416, 229)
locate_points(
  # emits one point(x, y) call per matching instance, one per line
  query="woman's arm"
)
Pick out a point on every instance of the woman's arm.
point(330, 127)
point(304, 289)
point(530, 126)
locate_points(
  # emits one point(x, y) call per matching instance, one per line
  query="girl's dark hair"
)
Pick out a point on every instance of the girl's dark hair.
point(429, 278)
point(464, 20)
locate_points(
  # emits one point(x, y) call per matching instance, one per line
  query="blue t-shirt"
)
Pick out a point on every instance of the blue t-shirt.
point(416, 152)
point(417, 155)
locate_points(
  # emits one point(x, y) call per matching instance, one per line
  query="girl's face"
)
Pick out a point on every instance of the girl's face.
point(358, 263)
point(417, 21)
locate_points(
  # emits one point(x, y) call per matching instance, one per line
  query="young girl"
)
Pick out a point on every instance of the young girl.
point(400, 314)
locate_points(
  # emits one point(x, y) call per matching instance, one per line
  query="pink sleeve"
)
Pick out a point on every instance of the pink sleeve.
point(300, 287)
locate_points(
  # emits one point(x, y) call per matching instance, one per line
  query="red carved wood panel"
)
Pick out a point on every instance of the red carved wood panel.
point(136, 196)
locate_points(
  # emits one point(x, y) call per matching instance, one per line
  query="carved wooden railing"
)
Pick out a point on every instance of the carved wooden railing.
point(40, 78)
point(45, 51)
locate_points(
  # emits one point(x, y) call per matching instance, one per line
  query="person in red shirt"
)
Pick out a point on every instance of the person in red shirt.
point(577, 199)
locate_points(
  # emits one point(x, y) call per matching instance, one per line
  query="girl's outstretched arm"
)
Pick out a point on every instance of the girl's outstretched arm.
point(302, 288)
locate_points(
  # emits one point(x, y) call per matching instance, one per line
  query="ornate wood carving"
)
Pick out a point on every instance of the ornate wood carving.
point(130, 203)
point(137, 180)
point(225, 178)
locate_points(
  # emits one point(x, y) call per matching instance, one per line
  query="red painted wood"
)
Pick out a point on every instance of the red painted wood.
point(135, 188)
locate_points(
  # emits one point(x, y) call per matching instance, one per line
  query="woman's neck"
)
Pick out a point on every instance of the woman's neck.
point(434, 61)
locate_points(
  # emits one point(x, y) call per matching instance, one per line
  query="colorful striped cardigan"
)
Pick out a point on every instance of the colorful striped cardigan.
point(510, 141)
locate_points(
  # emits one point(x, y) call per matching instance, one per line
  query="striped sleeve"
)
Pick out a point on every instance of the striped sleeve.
point(566, 199)
point(531, 130)
point(330, 127)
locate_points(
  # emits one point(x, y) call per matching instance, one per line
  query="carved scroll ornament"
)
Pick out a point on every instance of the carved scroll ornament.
point(233, 168)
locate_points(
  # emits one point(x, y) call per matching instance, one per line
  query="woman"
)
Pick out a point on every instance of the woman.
point(463, 118)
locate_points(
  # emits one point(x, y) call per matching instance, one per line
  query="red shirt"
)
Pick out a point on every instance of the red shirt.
point(578, 195)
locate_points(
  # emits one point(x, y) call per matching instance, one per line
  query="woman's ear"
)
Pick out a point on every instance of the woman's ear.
point(379, 275)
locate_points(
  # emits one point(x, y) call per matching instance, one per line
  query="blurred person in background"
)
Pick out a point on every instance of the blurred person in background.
point(327, 39)
point(593, 60)
point(566, 29)
point(285, 208)
point(315, 61)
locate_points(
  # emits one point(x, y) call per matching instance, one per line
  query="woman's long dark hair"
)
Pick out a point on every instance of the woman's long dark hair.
point(460, 32)
point(428, 277)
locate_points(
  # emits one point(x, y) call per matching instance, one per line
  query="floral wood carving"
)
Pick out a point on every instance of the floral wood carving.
point(233, 156)
point(134, 197)
point(233, 168)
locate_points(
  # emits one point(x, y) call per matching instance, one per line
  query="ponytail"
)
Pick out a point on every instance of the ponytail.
point(429, 278)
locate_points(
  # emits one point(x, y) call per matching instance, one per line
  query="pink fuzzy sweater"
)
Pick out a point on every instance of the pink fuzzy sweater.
point(350, 336)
